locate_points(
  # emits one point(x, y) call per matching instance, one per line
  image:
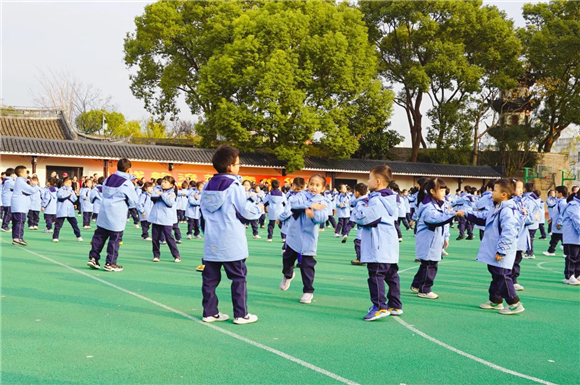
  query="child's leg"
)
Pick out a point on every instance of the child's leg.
point(57, 226)
point(189, 226)
point(211, 277)
point(236, 272)
point(339, 226)
point(18, 220)
point(502, 286)
point(271, 225)
point(393, 281)
point(542, 231)
point(288, 259)
point(73, 222)
point(49, 219)
point(574, 256)
point(349, 225)
point(532, 237)
point(332, 220)
point(36, 218)
point(135, 216)
point(30, 219)
point(145, 229)
point(376, 283)
point(87, 218)
point(307, 272)
point(550, 227)
point(357, 248)
point(554, 239)
point(398, 228)
point(469, 227)
point(7, 217)
point(481, 233)
point(462, 221)
point(425, 276)
point(156, 235)
point(115, 238)
point(170, 240)
point(515, 272)
point(99, 238)
point(177, 232)
point(254, 224)
point(196, 227)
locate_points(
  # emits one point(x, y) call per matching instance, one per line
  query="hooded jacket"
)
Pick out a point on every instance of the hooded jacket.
point(431, 230)
point(20, 200)
point(96, 198)
point(164, 210)
point(118, 196)
point(569, 220)
point(49, 200)
point(343, 205)
point(85, 199)
point(275, 201)
point(193, 210)
point(65, 197)
point(7, 189)
point(302, 235)
point(144, 206)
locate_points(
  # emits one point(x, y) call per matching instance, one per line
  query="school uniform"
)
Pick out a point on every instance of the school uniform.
point(569, 220)
point(20, 205)
point(362, 200)
point(407, 209)
point(96, 198)
point(34, 212)
point(65, 199)
point(226, 210)
point(181, 204)
point(285, 217)
point(551, 202)
point(464, 202)
point(542, 225)
point(261, 195)
point(193, 212)
point(275, 202)
point(330, 202)
point(118, 194)
point(431, 235)
point(163, 217)
point(536, 213)
point(144, 206)
point(132, 212)
point(555, 216)
point(485, 203)
point(7, 190)
point(49, 201)
point(86, 205)
point(380, 247)
point(342, 206)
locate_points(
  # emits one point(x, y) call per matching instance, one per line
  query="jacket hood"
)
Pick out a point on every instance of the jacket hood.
point(215, 191)
point(276, 192)
point(220, 182)
point(388, 199)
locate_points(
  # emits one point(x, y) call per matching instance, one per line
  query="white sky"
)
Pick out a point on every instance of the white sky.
point(86, 38)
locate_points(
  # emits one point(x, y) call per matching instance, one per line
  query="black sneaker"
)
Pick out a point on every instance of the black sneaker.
point(460, 237)
point(469, 238)
point(20, 242)
point(178, 241)
point(542, 238)
point(113, 267)
point(93, 263)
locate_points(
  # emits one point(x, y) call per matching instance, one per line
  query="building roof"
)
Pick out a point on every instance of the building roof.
point(36, 124)
point(183, 155)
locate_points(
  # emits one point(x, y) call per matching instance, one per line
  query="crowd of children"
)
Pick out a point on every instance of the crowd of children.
point(507, 213)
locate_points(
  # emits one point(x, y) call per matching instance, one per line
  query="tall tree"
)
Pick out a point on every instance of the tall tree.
point(552, 40)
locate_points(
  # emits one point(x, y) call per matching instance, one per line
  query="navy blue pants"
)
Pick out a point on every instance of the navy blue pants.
point(99, 238)
point(180, 215)
point(405, 223)
point(49, 219)
point(398, 228)
point(572, 264)
point(425, 276)
point(357, 248)
point(134, 214)
point(163, 232)
point(530, 251)
point(254, 225)
point(87, 218)
point(481, 233)
point(7, 217)
point(307, 264)
point(145, 229)
point(379, 273)
point(554, 239)
point(550, 227)
point(18, 220)
point(465, 226)
point(502, 286)
point(271, 225)
point(329, 221)
point(60, 221)
point(516, 268)
point(542, 230)
point(342, 226)
point(33, 218)
point(236, 271)
point(193, 226)
point(262, 220)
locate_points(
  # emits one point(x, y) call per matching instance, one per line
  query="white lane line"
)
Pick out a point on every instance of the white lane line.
point(185, 315)
point(440, 263)
point(545, 268)
point(470, 356)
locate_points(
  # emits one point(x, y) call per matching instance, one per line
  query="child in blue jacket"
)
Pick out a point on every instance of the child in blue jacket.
point(20, 204)
point(499, 246)
point(193, 211)
point(181, 202)
point(309, 210)
point(144, 206)
point(432, 235)
point(48, 206)
point(298, 185)
point(555, 212)
point(163, 217)
point(86, 205)
point(275, 202)
point(96, 197)
point(118, 195)
point(569, 222)
point(342, 212)
point(7, 189)
point(35, 206)
point(65, 199)
point(226, 210)
point(380, 244)
point(361, 198)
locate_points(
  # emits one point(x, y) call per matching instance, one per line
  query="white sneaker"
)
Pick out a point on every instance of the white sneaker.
point(148, 239)
point(429, 295)
point(306, 298)
point(55, 240)
point(285, 284)
point(548, 253)
point(562, 247)
point(87, 227)
point(189, 236)
point(218, 317)
point(269, 240)
point(257, 237)
point(336, 235)
point(198, 237)
point(395, 311)
point(47, 231)
point(518, 287)
point(80, 239)
point(30, 227)
point(443, 252)
point(529, 256)
point(414, 289)
point(137, 226)
point(492, 306)
point(512, 309)
point(572, 281)
point(248, 319)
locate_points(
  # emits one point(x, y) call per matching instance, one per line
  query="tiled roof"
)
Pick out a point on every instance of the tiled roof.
point(103, 150)
point(45, 128)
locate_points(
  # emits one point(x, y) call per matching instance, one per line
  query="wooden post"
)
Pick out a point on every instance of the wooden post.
point(105, 167)
point(33, 162)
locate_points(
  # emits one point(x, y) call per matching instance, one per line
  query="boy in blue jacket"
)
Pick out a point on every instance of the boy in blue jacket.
point(555, 212)
point(275, 202)
point(48, 206)
point(361, 198)
point(7, 189)
point(35, 205)
point(380, 244)
point(20, 204)
point(226, 211)
point(569, 222)
point(118, 195)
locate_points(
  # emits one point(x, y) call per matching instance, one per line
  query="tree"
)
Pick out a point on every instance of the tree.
point(377, 144)
point(115, 125)
point(551, 39)
point(272, 75)
point(155, 129)
point(515, 145)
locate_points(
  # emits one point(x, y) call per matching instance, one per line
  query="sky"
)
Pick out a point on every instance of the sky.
point(86, 39)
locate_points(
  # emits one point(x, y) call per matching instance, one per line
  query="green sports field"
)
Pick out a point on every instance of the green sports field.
point(63, 323)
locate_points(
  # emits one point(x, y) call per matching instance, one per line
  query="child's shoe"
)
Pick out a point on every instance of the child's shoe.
point(188, 236)
point(322, 229)
point(306, 298)
point(344, 238)
point(80, 239)
point(248, 319)
point(5, 229)
point(394, 311)
point(163, 242)
point(512, 309)
point(197, 237)
point(200, 268)
point(356, 262)
point(137, 226)
point(146, 239)
point(376, 313)
point(113, 267)
point(30, 227)
point(47, 231)
point(572, 281)
point(460, 237)
point(548, 253)
point(20, 242)
point(444, 252)
point(177, 260)
point(414, 289)
point(429, 295)
point(178, 241)
point(491, 306)
point(336, 235)
point(218, 317)
point(257, 237)
point(285, 284)
point(55, 240)
point(518, 287)
point(400, 239)
point(269, 240)
point(86, 227)
point(155, 259)
point(94, 264)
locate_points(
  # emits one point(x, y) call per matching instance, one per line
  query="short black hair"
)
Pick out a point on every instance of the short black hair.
point(9, 171)
point(562, 190)
point(124, 164)
point(299, 182)
point(224, 157)
point(361, 188)
point(275, 183)
point(383, 172)
point(19, 169)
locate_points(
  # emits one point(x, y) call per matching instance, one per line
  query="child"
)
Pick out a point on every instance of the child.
point(226, 210)
point(432, 235)
point(377, 219)
point(551, 203)
point(464, 202)
point(498, 247)
point(343, 212)
point(330, 202)
point(485, 203)
point(570, 224)
point(193, 212)
point(86, 205)
point(96, 197)
point(275, 201)
point(523, 239)
point(20, 204)
point(308, 212)
point(542, 227)
point(66, 197)
point(251, 196)
point(297, 185)
point(181, 202)
point(118, 195)
point(144, 207)
point(7, 189)
point(361, 197)
point(49, 200)
point(2, 176)
point(163, 216)
point(260, 201)
point(536, 210)
point(560, 203)
point(35, 205)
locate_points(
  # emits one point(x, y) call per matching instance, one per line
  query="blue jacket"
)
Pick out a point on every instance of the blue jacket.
point(570, 222)
point(557, 211)
point(49, 200)
point(302, 235)
point(502, 226)
point(181, 200)
point(363, 200)
point(226, 210)
point(193, 210)
point(343, 205)
point(485, 203)
point(144, 206)
point(431, 229)
point(535, 208)
point(20, 200)
point(65, 197)
point(552, 209)
point(118, 196)
point(85, 199)
point(7, 189)
point(164, 211)
point(287, 213)
point(96, 198)
point(406, 203)
point(401, 206)
point(412, 198)
point(35, 200)
point(379, 240)
point(463, 202)
point(275, 201)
